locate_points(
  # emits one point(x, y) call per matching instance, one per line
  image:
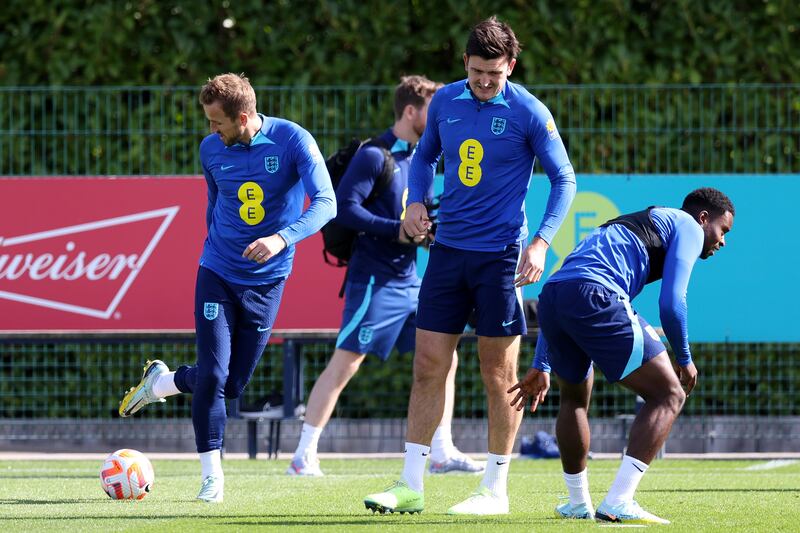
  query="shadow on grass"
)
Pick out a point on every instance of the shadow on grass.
point(741, 490)
point(19, 501)
point(47, 476)
point(310, 520)
point(387, 522)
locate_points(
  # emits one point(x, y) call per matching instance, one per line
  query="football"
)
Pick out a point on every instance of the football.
point(127, 475)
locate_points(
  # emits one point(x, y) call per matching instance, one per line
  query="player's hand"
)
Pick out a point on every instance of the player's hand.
point(404, 238)
point(532, 264)
point(263, 249)
point(416, 223)
point(534, 385)
point(688, 376)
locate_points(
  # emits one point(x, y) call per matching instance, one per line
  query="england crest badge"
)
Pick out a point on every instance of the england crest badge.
point(271, 164)
point(498, 125)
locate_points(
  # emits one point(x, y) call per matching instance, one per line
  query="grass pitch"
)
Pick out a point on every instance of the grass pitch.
point(694, 495)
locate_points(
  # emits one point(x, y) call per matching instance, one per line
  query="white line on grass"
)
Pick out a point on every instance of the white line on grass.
point(769, 465)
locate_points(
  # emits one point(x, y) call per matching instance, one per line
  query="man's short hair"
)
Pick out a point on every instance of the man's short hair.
point(491, 39)
point(412, 90)
point(232, 91)
point(707, 199)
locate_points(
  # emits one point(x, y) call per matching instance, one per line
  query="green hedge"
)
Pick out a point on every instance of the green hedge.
point(283, 42)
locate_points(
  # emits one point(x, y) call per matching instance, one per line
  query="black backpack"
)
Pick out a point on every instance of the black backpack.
point(338, 241)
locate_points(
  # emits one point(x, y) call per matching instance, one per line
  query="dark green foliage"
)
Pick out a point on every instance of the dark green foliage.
point(349, 42)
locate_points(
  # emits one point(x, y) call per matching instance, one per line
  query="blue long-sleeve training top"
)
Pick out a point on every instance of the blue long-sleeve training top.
point(489, 150)
point(377, 252)
point(257, 190)
point(616, 258)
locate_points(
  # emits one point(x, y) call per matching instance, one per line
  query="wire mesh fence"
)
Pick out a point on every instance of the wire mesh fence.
point(733, 128)
point(742, 388)
point(746, 391)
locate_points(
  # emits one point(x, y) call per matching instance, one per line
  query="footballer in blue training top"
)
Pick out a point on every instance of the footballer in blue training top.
point(382, 287)
point(259, 170)
point(258, 189)
point(586, 317)
point(489, 150)
point(490, 132)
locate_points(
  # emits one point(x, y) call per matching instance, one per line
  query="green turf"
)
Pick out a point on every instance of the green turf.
point(694, 495)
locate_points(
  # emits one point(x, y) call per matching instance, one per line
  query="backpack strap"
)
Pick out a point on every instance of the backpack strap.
point(387, 175)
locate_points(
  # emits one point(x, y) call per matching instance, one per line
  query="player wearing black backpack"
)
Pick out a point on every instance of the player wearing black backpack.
point(382, 284)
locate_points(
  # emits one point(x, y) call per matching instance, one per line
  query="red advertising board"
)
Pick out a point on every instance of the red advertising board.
point(113, 253)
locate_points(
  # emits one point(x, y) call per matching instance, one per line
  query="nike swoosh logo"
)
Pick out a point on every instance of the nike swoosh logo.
point(506, 324)
point(637, 468)
point(424, 455)
point(261, 329)
point(500, 464)
point(226, 167)
point(452, 120)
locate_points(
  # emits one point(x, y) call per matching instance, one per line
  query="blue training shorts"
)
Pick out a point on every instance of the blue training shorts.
point(376, 318)
point(458, 281)
point(583, 321)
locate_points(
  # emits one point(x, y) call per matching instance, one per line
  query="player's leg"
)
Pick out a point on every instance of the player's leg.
point(445, 457)
point(426, 405)
point(573, 436)
point(657, 383)
point(498, 360)
point(343, 365)
point(499, 323)
point(572, 370)
point(645, 369)
point(215, 313)
point(444, 305)
point(373, 319)
point(337, 374)
point(157, 383)
point(340, 369)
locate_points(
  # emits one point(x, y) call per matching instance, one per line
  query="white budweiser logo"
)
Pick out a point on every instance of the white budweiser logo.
point(66, 266)
point(70, 263)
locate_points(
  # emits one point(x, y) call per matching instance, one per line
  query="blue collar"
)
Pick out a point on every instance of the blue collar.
point(400, 146)
point(498, 99)
point(261, 135)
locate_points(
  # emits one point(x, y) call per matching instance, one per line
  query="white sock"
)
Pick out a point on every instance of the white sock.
point(414, 465)
point(578, 486)
point(628, 477)
point(496, 476)
point(442, 446)
point(165, 385)
point(211, 464)
point(309, 439)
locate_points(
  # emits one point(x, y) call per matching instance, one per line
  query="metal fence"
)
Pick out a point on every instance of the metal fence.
point(607, 128)
point(747, 397)
point(50, 389)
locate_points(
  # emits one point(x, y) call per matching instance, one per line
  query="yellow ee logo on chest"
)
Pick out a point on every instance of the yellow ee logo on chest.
point(251, 195)
point(471, 154)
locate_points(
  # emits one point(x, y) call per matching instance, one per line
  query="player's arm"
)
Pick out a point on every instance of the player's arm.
point(549, 149)
point(212, 190)
point(683, 251)
point(420, 176)
point(322, 207)
point(355, 187)
point(317, 183)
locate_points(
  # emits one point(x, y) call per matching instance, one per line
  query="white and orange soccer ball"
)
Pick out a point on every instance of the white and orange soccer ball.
point(127, 475)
